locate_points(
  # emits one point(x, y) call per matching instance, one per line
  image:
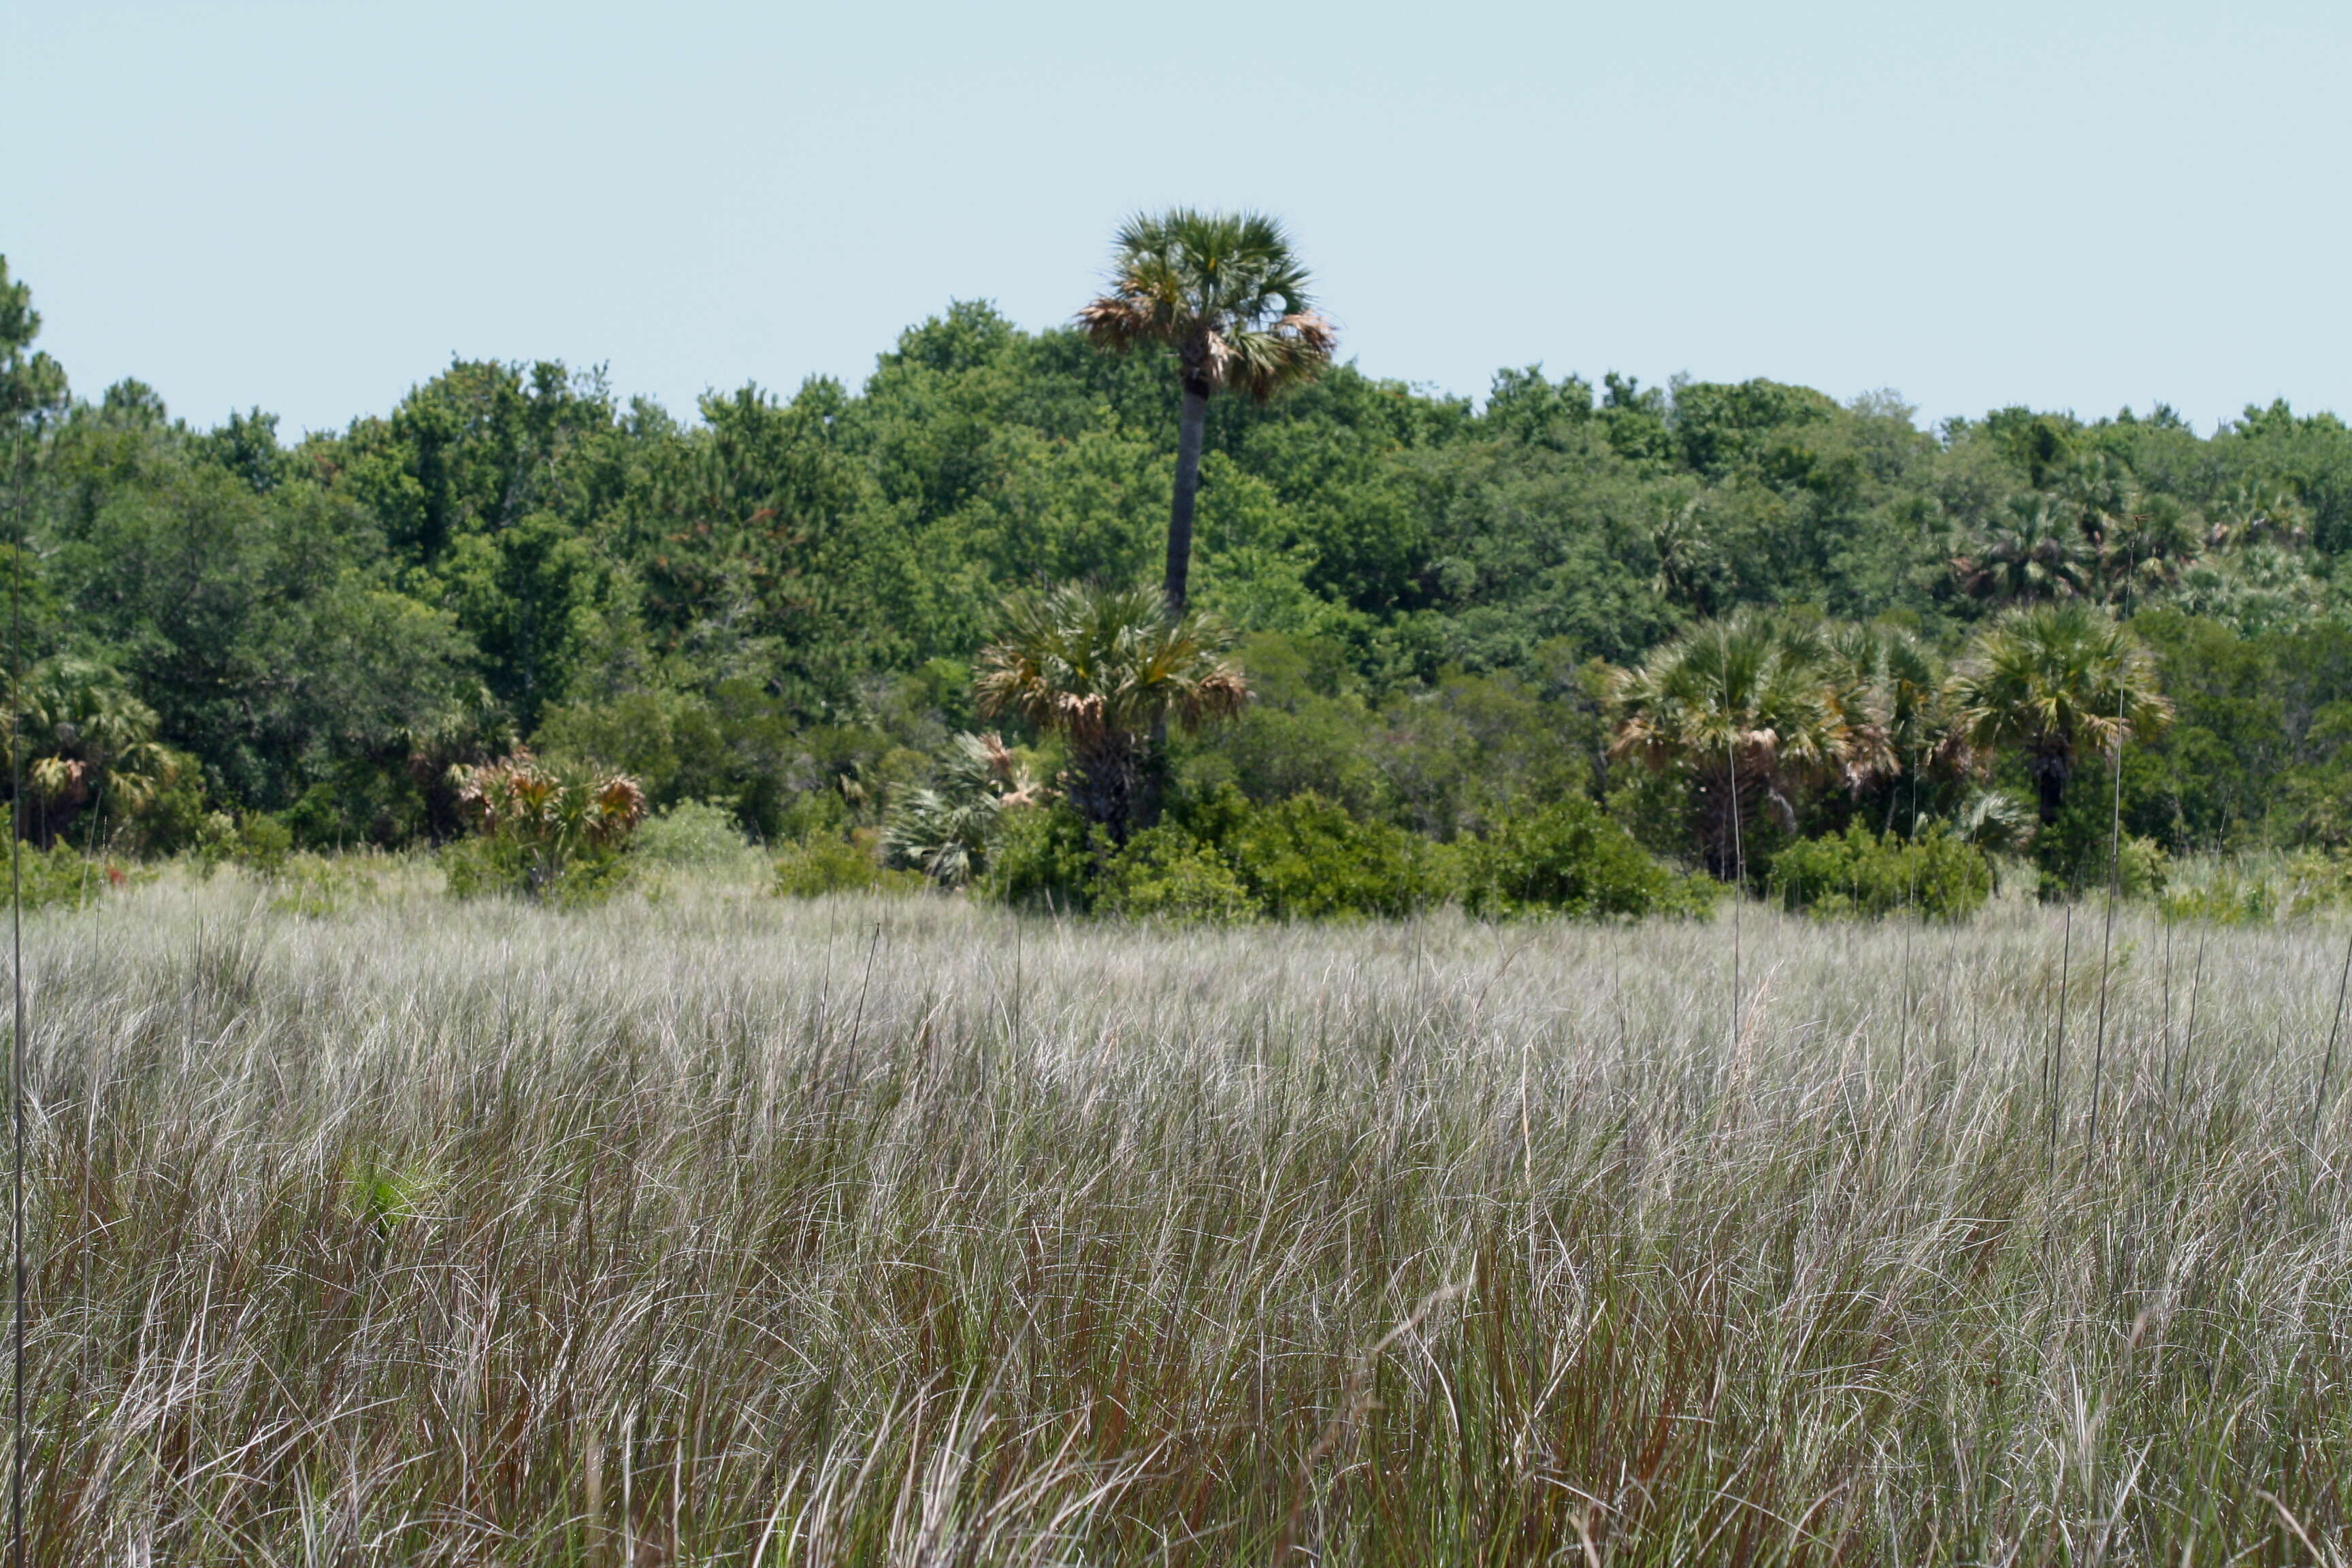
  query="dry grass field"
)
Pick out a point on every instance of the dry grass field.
point(722, 1229)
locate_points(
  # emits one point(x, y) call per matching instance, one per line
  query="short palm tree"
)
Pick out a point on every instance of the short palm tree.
point(1888, 691)
point(2258, 514)
point(2147, 547)
point(1107, 668)
point(2052, 681)
point(945, 829)
point(1744, 710)
point(548, 819)
point(87, 740)
point(1227, 293)
point(2037, 552)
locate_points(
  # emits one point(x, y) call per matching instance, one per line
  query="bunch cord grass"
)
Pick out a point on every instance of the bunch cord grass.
point(459, 1233)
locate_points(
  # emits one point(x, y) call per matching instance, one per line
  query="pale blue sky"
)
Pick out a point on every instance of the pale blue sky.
point(310, 205)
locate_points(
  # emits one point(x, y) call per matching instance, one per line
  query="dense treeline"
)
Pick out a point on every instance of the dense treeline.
point(776, 604)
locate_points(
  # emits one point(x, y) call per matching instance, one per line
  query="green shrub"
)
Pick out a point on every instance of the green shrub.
point(1165, 873)
point(1860, 873)
point(698, 834)
point(2230, 893)
point(2318, 879)
point(1571, 858)
point(1307, 860)
point(1044, 859)
point(2070, 854)
point(2141, 869)
point(172, 819)
point(61, 876)
point(825, 863)
point(483, 868)
point(262, 844)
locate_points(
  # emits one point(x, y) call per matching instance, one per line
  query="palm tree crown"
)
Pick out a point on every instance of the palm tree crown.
point(1227, 293)
point(87, 739)
point(1224, 290)
point(2037, 553)
point(1745, 707)
point(1104, 668)
point(2051, 679)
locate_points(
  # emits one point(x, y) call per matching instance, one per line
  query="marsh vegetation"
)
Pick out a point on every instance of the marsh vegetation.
point(718, 1229)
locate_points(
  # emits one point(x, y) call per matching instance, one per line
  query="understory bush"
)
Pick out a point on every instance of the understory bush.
point(1571, 858)
point(255, 842)
point(823, 863)
point(1306, 858)
point(1869, 875)
point(1045, 860)
point(2141, 871)
point(62, 877)
point(1221, 857)
point(693, 833)
point(1166, 873)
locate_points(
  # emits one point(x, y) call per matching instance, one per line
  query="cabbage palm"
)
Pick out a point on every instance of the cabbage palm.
point(1744, 710)
point(2258, 514)
point(2146, 545)
point(87, 740)
point(1889, 694)
point(2051, 679)
point(1227, 293)
point(2036, 554)
point(1106, 668)
point(945, 829)
point(546, 819)
point(2139, 538)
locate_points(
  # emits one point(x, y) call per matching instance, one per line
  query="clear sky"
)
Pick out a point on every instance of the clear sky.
point(310, 206)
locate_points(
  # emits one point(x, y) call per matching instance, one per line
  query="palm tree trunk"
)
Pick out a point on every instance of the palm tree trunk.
point(1188, 432)
point(2048, 770)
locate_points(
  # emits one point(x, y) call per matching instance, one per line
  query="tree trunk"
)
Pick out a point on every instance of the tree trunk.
point(1109, 784)
point(1713, 810)
point(1188, 485)
point(2049, 772)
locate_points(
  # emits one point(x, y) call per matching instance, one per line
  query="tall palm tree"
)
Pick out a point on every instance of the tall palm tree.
point(1226, 292)
point(1742, 709)
point(2037, 552)
point(2139, 538)
point(1106, 668)
point(2051, 679)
